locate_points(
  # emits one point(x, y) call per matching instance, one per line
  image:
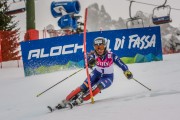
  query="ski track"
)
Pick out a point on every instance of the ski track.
point(125, 99)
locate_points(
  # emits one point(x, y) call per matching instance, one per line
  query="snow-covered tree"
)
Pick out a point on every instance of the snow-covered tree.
point(9, 36)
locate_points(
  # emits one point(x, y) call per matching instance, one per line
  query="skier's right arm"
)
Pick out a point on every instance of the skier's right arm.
point(91, 60)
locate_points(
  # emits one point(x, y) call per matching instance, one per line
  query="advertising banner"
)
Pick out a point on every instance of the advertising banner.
point(52, 54)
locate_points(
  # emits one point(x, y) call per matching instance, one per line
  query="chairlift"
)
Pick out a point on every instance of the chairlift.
point(132, 19)
point(161, 19)
point(16, 11)
point(14, 1)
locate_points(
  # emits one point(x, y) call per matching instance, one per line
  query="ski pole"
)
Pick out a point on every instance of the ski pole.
point(141, 84)
point(59, 82)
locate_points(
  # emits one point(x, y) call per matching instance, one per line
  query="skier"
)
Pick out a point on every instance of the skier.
point(101, 61)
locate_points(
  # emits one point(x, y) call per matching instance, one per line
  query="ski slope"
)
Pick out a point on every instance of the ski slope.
point(124, 100)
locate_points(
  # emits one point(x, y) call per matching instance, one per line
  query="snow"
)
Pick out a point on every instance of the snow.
point(125, 99)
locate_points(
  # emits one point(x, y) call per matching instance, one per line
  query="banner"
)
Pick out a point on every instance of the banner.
point(52, 54)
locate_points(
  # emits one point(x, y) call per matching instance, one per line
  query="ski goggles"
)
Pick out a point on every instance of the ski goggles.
point(99, 47)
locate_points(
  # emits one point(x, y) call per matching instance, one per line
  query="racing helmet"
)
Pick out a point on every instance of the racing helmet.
point(100, 44)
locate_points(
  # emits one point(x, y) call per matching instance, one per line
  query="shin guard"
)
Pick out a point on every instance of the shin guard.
point(95, 92)
point(73, 94)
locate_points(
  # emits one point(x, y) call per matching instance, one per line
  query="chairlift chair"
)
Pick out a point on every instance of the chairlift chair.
point(16, 11)
point(132, 19)
point(161, 19)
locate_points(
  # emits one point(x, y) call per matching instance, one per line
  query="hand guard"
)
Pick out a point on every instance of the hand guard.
point(128, 74)
point(91, 63)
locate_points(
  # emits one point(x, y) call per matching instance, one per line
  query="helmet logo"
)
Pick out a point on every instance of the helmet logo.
point(98, 42)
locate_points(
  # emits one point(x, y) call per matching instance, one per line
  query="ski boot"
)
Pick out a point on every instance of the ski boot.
point(75, 97)
point(77, 100)
point(70, 104)
point(61, 105)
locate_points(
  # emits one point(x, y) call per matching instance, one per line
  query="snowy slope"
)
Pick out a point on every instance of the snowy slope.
point(124, 100)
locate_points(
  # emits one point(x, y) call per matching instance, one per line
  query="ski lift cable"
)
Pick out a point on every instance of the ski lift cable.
point(151, 4)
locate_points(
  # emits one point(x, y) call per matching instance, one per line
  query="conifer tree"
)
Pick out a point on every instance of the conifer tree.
point(9, 36)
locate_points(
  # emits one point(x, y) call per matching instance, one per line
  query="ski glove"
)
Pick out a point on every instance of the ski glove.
point(91, 63)
point(128, 74)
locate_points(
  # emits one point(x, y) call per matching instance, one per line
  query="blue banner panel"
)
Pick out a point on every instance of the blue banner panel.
point(52, 54)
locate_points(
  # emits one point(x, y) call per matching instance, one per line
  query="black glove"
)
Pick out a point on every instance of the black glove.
point(128, 74)
point(91, 63)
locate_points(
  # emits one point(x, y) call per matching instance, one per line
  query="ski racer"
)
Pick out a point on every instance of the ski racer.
point(102, 75)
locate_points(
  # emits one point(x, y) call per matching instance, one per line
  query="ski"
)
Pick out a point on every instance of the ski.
point(52, 109)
